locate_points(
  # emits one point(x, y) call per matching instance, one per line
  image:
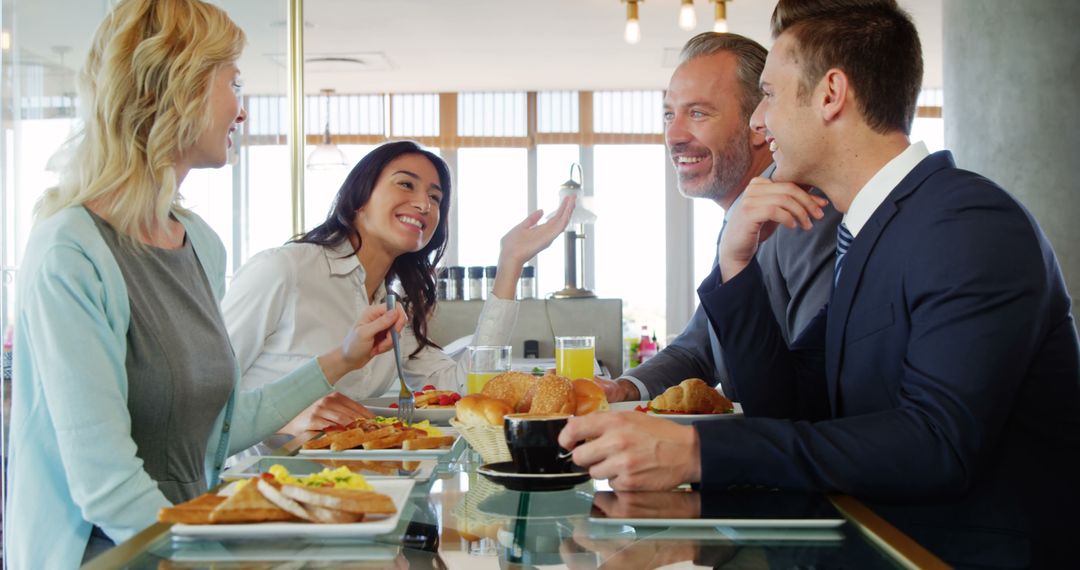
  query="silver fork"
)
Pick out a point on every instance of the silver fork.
point(406, 401)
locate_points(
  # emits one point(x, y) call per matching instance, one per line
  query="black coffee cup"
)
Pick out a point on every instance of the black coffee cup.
point(533, 440)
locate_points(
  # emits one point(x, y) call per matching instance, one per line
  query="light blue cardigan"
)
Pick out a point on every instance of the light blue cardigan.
point(71, 462)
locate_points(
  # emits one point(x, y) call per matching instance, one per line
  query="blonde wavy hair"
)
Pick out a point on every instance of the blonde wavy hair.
point(144, 91)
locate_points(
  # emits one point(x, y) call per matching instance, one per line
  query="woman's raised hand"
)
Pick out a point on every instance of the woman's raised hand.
point(368, 337)
point(524, 241)
point(529, 238)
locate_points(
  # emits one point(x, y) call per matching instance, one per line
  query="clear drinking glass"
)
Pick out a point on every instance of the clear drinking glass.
point(484, 363)
point(574, 356)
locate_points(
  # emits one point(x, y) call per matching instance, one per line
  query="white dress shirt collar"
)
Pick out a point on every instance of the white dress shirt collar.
point(881, 184)
point(341, 260)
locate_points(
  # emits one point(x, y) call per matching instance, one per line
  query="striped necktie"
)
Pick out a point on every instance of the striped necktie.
point(843, 242)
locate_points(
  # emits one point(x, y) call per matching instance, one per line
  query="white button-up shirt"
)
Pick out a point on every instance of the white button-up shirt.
point(879, 186)
point(291, 303)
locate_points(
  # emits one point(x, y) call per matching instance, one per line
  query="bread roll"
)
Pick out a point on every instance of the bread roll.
point(477, 410)
point(691, 396)
point(554, 395)
point(512, 388)
point(588, 397)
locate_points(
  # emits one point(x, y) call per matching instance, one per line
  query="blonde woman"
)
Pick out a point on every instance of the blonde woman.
point(125, 385)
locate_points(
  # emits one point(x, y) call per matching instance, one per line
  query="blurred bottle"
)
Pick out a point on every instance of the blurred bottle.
point(443, 276)
point(455, 286)
point(646, 347)
point(528, 282)
point(489, 276)
point(476, 283)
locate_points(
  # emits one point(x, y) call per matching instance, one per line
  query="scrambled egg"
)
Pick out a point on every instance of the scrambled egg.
point(340, 478)
point(425, 425)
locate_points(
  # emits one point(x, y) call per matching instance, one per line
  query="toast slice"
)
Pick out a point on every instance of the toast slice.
point(272, 492)
point(428, 442)
point(325, 515)
point(195, 511)
point(356, 437)
point(248, 505)
point(350, 500)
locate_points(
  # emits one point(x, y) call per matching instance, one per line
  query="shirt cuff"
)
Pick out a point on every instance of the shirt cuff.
point(496, 323)
point(642, 390)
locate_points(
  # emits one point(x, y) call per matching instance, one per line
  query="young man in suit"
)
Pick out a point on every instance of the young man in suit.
point(707, 109)
point(942, 381)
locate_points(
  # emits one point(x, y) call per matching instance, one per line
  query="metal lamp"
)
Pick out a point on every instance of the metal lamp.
point(573, 235)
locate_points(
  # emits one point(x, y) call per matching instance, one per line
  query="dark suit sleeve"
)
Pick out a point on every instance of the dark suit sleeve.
point(771, 379)
point(973, 313)
point(688, 356)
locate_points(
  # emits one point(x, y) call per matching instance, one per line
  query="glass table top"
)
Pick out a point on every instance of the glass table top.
point(460, 519)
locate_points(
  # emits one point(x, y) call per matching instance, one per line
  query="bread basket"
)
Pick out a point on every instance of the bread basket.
point(488, 440)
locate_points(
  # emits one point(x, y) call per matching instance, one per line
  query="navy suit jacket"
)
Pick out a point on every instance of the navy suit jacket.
point(942, 381)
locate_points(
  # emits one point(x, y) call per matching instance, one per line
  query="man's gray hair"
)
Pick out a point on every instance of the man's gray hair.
point(749, 61)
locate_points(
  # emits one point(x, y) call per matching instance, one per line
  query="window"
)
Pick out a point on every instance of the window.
point(708, 219)
point(630, 232)
point(492, 194)
point(552, 169)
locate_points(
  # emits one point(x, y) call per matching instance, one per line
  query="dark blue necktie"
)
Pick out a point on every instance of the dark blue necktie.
point(843, 242)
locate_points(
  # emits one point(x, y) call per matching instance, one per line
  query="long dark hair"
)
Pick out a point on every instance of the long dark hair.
point(415, 270)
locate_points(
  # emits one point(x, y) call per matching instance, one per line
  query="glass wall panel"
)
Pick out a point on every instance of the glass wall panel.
point(492, 186)
point(630, 232)
point(552, 169)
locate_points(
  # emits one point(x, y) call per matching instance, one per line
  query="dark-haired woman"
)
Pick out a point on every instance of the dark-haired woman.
point(388, 224)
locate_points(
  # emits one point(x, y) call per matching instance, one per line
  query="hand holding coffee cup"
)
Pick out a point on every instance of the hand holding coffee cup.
point(533, 440)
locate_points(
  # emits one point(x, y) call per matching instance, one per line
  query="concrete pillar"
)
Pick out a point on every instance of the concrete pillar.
point(1012, 108)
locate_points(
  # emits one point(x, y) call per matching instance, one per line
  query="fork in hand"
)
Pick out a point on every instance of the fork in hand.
point(406, 401)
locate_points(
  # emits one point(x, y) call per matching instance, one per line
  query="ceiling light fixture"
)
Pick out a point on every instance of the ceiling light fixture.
point(326, 155)
point(633, 28)
point(720, 21)
point(687, 16)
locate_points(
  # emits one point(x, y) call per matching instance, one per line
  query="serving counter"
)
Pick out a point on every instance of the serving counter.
point(458, 519)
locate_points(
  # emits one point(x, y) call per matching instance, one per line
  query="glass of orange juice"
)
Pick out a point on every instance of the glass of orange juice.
point(484, 363)
point(574, 356)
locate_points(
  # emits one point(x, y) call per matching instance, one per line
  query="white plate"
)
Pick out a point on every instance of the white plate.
point(256, 465)
point(397, 489)
point(678, 418)
point(361, 452)
point(381, 407)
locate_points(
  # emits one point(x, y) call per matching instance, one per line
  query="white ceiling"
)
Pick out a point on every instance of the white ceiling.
point(450, 45)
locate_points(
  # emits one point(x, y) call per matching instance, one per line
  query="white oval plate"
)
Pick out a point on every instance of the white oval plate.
point(381, 407)
point(678, 418)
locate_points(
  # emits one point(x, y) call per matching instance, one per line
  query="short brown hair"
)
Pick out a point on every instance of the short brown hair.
point(874, 43)
point(749, 61)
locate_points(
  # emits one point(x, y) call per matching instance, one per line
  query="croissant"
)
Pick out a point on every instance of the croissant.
point(691, 396)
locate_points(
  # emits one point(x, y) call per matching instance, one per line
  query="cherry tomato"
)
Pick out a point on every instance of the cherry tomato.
point(267, 476)
point(392, 405)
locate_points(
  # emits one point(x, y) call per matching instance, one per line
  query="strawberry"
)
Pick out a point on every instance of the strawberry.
point(455, 397)
point(445, 400)
point(429, 387)
point(392, 405)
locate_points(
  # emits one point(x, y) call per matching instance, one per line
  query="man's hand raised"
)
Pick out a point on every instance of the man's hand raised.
point(763, 206)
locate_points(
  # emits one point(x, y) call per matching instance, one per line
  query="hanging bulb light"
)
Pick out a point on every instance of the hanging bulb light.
point(720, 23)
point(326, 155)
point(687, 16)
point(633, 28)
